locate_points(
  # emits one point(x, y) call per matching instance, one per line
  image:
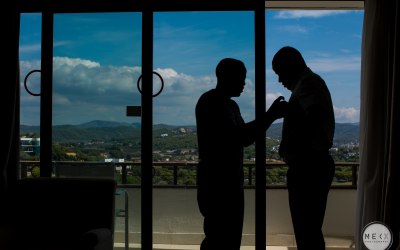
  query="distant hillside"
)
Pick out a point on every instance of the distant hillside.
point(344, 132)
point(163, 126)
point(95, 130)
point(26, 129)
point(75, 133)
point(347, 132)
point(108, 124)
point(275, 131)
point(106, 130)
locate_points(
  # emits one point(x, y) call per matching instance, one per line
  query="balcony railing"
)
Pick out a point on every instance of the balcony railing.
point(183, 174)
point(177, 220)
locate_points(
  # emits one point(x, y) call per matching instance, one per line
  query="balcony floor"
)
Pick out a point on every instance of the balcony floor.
point(332, 243)
point(121, 246)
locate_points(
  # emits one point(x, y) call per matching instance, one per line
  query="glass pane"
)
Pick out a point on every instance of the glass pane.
point(187, 49)
point(30, 57)
point(96, 64)
point(330, 42)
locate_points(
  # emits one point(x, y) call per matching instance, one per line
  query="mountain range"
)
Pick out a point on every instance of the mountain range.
point(108, 130)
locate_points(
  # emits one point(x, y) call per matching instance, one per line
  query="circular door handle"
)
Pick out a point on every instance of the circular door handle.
point(26, 80)
point(159, 91)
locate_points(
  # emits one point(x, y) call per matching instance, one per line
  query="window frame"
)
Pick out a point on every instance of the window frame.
point(147, 7)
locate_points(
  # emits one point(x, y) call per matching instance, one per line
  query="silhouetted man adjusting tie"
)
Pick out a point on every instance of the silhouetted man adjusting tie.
point(307, 136)
point(222, 134)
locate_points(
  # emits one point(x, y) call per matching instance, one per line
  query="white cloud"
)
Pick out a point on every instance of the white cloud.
point(30, 48)
point(61, 43)
point(27, 66)
point(295, 14)
point(320, 62)
point(167, 73)
point(84, 90)
point(176, 104)
point(332, 64)
point(61, 62)
point(294, 29)
point(346, 51)
point(346, 115)
point(60, 100)
point(86, 75)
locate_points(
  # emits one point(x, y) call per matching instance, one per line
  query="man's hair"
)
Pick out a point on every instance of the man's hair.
point(228, 65)
point(288, 57)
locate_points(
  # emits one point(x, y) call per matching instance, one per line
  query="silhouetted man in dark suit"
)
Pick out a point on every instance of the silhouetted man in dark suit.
point(307, 136)
point(222, 134)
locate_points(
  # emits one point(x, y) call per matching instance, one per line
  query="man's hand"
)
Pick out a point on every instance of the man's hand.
point(277, 109)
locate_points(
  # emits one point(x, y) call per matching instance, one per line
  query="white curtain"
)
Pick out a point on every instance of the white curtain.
point(379, 178)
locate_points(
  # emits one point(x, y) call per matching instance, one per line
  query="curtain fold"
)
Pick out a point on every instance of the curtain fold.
point(379, 179)
point(10, 99)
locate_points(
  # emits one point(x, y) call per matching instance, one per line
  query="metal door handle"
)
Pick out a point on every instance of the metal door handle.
point(159, 91)
point(26, 79)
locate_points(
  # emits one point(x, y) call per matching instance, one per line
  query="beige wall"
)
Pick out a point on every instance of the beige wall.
point(177, 220)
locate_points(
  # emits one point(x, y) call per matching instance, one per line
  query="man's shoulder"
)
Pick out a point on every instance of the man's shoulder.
point(207, 96)
point(317, 78)
point(211, 92)
point(206, 99)
point(313, 82)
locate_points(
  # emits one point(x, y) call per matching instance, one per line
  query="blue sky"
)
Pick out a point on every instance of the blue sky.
point(97, 61)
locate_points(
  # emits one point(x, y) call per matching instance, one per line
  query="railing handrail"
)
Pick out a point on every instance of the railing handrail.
point(249, 165)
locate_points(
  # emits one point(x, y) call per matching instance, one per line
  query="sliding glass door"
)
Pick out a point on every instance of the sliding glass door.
point(187, 48)
point(117, 85)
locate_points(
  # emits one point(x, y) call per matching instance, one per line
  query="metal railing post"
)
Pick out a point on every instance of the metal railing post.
point(175, 175)
point(250, 175)
point(354, 175)
point(124, 174)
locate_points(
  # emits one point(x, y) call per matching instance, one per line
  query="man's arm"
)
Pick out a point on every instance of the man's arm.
point(276, 111)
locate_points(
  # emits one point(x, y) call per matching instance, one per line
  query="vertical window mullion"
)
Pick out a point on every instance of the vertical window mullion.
point(147, 132)
point(46, 94)
point(260, 78)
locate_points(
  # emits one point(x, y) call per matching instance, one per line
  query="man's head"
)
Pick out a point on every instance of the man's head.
point(231, 75)
point(288, 64)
